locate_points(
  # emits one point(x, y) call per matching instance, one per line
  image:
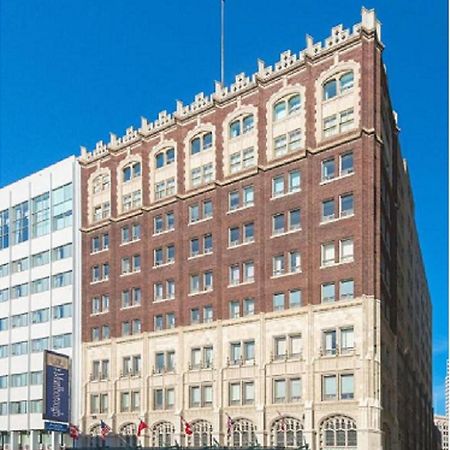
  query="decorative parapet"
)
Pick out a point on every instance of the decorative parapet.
point(242, 82)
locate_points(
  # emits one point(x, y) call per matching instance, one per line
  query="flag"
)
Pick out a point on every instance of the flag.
point(74, 432)
point(230, 423)
point(142, 426)
point(104, 429)
point(187, 426)
point(282, 422)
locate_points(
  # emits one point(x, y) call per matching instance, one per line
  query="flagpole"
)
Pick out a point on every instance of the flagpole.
point(222, 42)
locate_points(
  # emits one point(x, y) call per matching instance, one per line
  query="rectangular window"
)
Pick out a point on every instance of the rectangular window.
point(278, 301)
point(294, 261)
point(347, 387)
point(328, 172)
point(207, 243)
point(234, 275)
point(20, 223)
point(346, 164)
point(346, 119)
point(278, 265)
point(62, 207)
point(295, 298)
point(194, 397)
point(327, 252)
point(329, 338)
point(277, 224)
point(248, 196)
point(4, 229)
point(277, 186)
point(280, 347)
point(346, 289)
point(330, 126)
point(40, 215)
point(328, 210)
point(234, 393)
point(346, 250)
point(347, 340)
point(234, 310)
point(294, 181)
point(248, 391)
point(295, 388)
point(195, 316)
point(329, 387)
point(249, 307)
point(294, 220)
point(249, 351)
point(62, 252)
point(249, 272)
point(346, 205)
point(279, 391)
point(158, 323)
point(328, 292)
point(234, 237)
point(249, 232)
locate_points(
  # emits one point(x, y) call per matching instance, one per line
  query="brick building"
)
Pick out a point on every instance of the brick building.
point(252, 258)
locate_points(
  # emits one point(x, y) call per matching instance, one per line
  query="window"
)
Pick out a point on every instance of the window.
point(277, 186)
point(4, 270)
point(207, 243)
point(278, 301)
point(346, 250)
point(40, 259)
point(280, 348)
point(39, 345)
point(20, 220)
point(201, 143)
point(207, 313)
point(329, 341)
point(130, 264)
point(329, 89)
point(346, 120)
point(165, 188)
point(249, 272)
point(278, 265)
point(165, 157)
point(346, 289)
point(346, 164)
point(42, 315)
point(62, 207)
point(158, 322)
point(249, 351)
point(36, 378)
point(195, 316)
point(339, 431)
point(234, 309)
point(328, 292)
point(278, 224)
point(201, 211)
point(62, 252)
point(242, 160)
point(327, 210)
point(19, 320)
point(164, 255)
point(163, 398)
point(164, 222)
point(347, 340)
point(249, 307)
point(130, 401)
point(242, 392)
point(101, 211)
point(62, 341)
point(62, 311)
point(101, 183)
point(19, 290)
point(18, 407)
point(288, 142)
point(65, 278)
point(234, 198)
point(286, 107)
point(131, 297)
point(242, 125)
point(40, 215)
point(202, 175)
point(346, 205)
point(329, 387)
point(40, 285)
point(131, 171)
point(338, 85)
point(294, 220)
point(4, 229)
point(4, 324)
point(327, 252)
point(295, 298)
point(279, 391)
point(328, 172)
point(132, 200)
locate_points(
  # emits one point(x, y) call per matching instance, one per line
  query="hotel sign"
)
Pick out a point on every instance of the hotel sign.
point(56, 387)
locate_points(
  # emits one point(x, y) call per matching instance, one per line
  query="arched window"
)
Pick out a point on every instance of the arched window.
point(201, 142)
point(287, 432)
point(165, 157)
point(338, 432)
point(242, 433)
point(287, 106)
point(94, 436)
point(128, 435)
point(100, 183)
point(241, 125)
point(162, 434)
point(132, 170)
point(201, 434)
point(337, 85)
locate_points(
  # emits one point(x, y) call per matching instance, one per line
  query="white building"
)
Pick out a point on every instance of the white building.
point(442, 424)
point(39, 296)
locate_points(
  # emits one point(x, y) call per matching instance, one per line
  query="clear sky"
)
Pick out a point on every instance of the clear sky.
point(74, 70)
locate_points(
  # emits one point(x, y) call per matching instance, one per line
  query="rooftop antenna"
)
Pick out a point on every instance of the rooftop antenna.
point(222, 42)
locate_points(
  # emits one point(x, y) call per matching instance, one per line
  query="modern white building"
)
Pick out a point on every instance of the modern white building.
point(39, 296)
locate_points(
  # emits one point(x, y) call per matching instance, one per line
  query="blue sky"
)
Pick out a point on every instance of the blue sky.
point(72, 71)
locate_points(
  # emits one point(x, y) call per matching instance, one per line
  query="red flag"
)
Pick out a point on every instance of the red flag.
point(142, 426)
point(187, 426)
point(104, 429)
point(74, 432)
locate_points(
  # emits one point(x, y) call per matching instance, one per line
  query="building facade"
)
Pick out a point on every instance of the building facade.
point(240, 265)
point(39, 296)
point(442, 423)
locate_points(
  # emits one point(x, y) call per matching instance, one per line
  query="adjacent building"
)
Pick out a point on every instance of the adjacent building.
point(39, 296)
point(442, 423)
point(251, 265)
